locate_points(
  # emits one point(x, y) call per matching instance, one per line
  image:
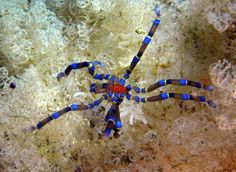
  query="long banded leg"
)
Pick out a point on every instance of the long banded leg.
point(118, 123)
point(164, 82)
point(73, 107)
point(91, 68)
point(110, 119)
point(113, 119)
point(164, 96)
point(71, 67)
point(144, 45)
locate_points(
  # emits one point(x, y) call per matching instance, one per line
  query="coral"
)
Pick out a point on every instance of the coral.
point(29, 33)
point(4, 78)
point(222, 74)
point(21, 159)
point(222, 14)
point(224, 123)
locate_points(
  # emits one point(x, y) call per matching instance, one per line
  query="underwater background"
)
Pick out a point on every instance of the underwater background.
point(196, 40)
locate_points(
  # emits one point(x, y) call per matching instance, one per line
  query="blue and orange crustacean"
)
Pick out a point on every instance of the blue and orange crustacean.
point(115, 89)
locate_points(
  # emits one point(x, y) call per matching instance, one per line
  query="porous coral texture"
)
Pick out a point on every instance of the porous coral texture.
point(195, 40)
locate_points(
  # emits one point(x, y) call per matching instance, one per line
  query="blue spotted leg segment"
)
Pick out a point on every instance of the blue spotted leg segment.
point(71, 67)
point(91, 69)
point(144, 45)
point(164, 82)
point(181, 82)
point(113, 120)
point(164, 96)
point(72, 107)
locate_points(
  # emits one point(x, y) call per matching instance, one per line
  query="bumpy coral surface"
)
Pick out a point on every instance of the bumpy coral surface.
point(39, 38)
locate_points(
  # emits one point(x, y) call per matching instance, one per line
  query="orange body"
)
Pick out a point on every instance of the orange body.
point(117, 88)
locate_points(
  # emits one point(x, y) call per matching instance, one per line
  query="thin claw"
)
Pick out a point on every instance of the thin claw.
point(29, 129)
point(102, 65)
point(116, 135)
point(158, 11)
point(59, 75)
point(209, 88)
point(211, 104)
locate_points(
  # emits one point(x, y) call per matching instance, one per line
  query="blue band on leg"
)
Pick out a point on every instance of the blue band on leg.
point(92, 85)
point(112, 78)
point(128, 96)
point(92, 89)
point(96, 102)
point(75, 65)
point(91, 68)
point(126, 76)
point(136, 89)
point(202, 98)
point(185, 97)
point(122, 81)
point(161, 83)
point(143, 90)
point(91, 105)
point(110, 93)
point(100, 77)
point(105, 96)
point(147, 40)
point(107, 76)
point(156, 22)
point(164, 96)
point(143, 100)
point(39, 125)
point(128, 87)
point(137, 99)
point(107, 132)
point(118, 124)
point(135, 59)
point(110, 118)
point(74, 107)
point(183, 82)
point(115, 99)
point(96, 76)
point(55, 115)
